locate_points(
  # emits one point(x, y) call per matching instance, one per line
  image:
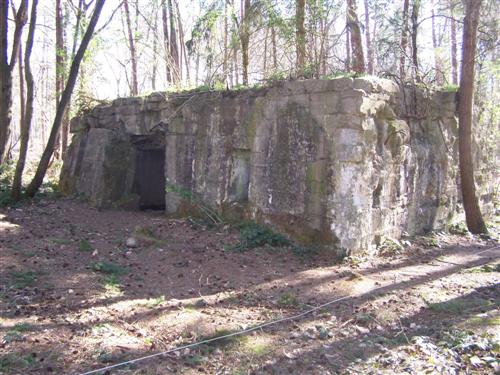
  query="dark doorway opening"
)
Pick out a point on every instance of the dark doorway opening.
point(150, 178)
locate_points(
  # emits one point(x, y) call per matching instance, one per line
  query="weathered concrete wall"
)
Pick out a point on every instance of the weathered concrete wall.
point(338, 162)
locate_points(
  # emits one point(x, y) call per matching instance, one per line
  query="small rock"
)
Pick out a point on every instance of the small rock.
point(362, 330)
point(200, 303)
point(310, 333)
point(71, 291)
point(131, 242)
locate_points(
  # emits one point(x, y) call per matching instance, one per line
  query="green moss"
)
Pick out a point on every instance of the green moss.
point(253, 235)
point(85, 246)
point(23, 279)
point(109, 268)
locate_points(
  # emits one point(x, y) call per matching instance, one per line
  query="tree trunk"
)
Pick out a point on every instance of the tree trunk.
point(166, 41)
point(414, 33)
point(404, 41)
point(245, 39)
point(435, 45)
point(25, 130)
point(154, 68)
point(182, 45)
point(275, 49)
point(347, 49)
point(369, 48)
point(65, 121)
point(6, 69)
point(358, 63)
point(226, 47)
point(300, 36)
point(453, 37)
point(264, 61)
point(475, 222)
point(131, 45)
point(22, 96)
point(174, 49)
point(59, 70)
point(65, 98)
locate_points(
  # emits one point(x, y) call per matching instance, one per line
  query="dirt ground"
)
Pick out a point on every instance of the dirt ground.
point(78, 294)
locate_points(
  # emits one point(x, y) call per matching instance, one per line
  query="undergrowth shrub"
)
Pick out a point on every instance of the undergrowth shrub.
point(254, 235)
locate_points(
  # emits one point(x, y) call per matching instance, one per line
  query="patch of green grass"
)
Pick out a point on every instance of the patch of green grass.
point(12, 337)
point(85, 246)
point(287, 299)
point(492, 321)
point(457, 307)
point(194, 360)
point(207, 212)
point(22, 327)
point(487, 268)
point(13, 361)
point(60, 241)
point(459, 228)
point(223, 341)
point(253, 235)
point(144, 231)
point(23, 279)
point(109, 268)
point(449, 88)
point(25, 253)
point(256, 346)
point(302, 251)
point(112, 285)
point(153, 302)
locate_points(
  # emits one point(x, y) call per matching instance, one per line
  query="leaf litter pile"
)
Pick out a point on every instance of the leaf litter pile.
point(83, 289)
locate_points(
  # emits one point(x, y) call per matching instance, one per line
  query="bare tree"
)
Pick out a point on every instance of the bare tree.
point(131, 45)
point(473, 216)
point(166, 40)
point(245, 37)
point(174, 48)
point(65, 98)
point(404, 41)
point(358, 63)
point(453, 41)
point(435, 45)
point(414, 33)
point(7, 67)
point(369, 48)
point(300, 36)
point(26, 126)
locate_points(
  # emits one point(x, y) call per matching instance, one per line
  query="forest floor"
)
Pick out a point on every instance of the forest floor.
point(74, 298)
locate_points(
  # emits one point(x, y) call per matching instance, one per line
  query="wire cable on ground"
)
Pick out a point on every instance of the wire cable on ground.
point(248, 330)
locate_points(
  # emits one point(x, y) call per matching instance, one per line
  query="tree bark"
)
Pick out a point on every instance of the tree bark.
point(182, 45)
point(404, 41)
point(347, 49)
point(22, 94)
point(131, 45)
point(453, 37)
point(60, 67)
point(226, 47)
point(358, 63)
point(369, 48)
point(473, 216)
point(166, 41)
point(245, 39)
point(65, 98)
point(26, 126)
point(300, 37)
point(435, 45)
point(414, 33)
point(174, 49)
point(6, 68)
point(275, 49)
